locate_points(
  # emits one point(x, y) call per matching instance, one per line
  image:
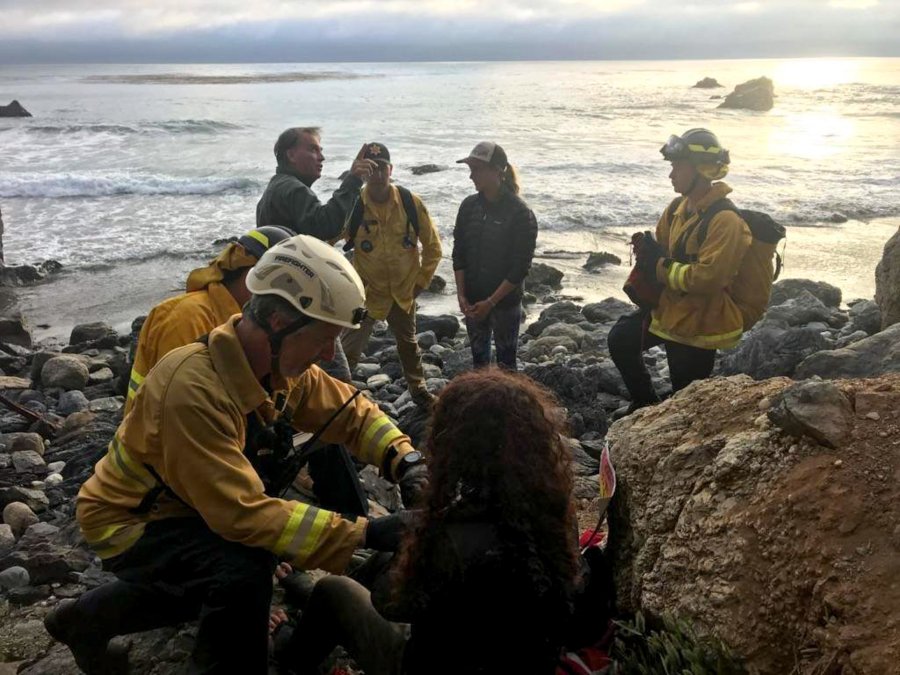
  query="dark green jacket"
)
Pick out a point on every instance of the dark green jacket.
point(289, 202)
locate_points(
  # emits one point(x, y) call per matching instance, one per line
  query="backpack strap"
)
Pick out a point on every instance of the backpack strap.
point(702, 227)
point(354, 220)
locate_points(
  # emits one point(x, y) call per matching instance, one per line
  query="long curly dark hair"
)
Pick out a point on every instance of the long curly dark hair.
point(496, 452)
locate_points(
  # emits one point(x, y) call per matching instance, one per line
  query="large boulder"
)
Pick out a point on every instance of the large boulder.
point(870, 357)
point(14, 109)
point(444, 326)
point(601, 259)
point(787, 289)
point(887, 282)
point(65, 372)
point(770, 351)
point(763, 539)
point(606, 310)
point(801, 310)
point(758, 94)
point(865, 315)
point(97, 331)
point(541, 276)
point(815, 409)
point(14, 330)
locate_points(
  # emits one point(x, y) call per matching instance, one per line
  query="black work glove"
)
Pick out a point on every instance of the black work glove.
point(648, 251)
point(386, 533)
point(413, 484)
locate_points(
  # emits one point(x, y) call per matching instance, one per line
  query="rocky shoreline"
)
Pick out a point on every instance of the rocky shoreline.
point(755, 505)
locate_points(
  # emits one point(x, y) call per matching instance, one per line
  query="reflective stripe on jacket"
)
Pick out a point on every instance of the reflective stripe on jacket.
point(696, 308)
point(390, 270)
point(188, 423)
point(174, 323)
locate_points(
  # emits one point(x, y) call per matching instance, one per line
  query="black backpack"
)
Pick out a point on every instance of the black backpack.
point(355, 219)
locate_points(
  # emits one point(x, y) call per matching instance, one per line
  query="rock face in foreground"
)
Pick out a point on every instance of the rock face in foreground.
point(758, 94)
point(787, 549)
point(14, 109)
point(887, 282)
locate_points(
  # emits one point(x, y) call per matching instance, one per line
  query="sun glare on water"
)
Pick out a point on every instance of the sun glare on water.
point(815, 73)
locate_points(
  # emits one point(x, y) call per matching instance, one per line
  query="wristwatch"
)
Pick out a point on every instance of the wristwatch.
point(409, 460)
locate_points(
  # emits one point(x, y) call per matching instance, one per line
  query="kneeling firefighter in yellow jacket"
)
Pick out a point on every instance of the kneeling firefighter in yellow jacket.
point(694, 264)
point(185, 508)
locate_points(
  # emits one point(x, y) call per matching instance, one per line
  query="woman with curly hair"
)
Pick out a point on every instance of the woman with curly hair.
point(485, 577)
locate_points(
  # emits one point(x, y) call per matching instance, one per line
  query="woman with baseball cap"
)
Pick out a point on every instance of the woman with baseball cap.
point(493, 244)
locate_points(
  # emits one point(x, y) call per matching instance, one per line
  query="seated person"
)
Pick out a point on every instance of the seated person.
point(485, 577)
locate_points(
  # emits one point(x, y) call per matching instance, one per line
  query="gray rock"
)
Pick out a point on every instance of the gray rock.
point(887, 282)
point(443, 326)
point(543, 346)
point(107, 404)
point(873, 356)
point(571, 331)
point(850, 338)
point(803, 309)
point(563, 311)
point(758, 94)
point(865, 315)
point(56, 467)
point(422, 169)
point(601, 259)
point(426, 339)
point(606, 310)
point(14, 577)
point(707, 83)
point(769, 351)
point(26, 441)
point(14, 330)
point(14, 109)
point(25, 640)
point(19, 517)
point(36, 500)
point(101, 375)
point(791, 288)
point(92, 332)
point(815, 409)
point(7, 540)
point(65, 371)
point(72, 401)
point(5, 460)
point(28, 461)
point(542, 274)
point(431, 371)
point(378, 381)
point(364, 371)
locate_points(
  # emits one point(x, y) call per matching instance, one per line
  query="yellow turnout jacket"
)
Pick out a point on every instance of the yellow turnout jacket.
point(696, 307)
point(188, 423)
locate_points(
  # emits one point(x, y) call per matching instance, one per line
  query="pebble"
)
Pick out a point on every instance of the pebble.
point(838, 462)
point(873, 416)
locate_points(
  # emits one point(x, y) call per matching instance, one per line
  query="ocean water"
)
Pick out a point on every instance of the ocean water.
point(127, 174)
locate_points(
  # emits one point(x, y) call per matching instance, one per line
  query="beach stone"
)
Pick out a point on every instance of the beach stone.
point(815, 409)
point(56, 467)
point(564, 311)
point(601, 259)
point(873, 356)
point(850, 338)
point(66, 372)
point(19, 517)
point(9, 382)
point(769, 351)
point(426, 339)
point(71, 402)
point(101, 375)
point(25, 641)
point(53, 479)
point(607, 310)
point(437, 284)
point(36, 500)
point(543, 346)
point(802, 309)
point(14, 109)
point(887, 282)
point(569, 330)
point(707, 83)
point(791, 288)
point(14, 330)
point(378, 381)
point(14, 577)
point(107, 404)
point(865, 315)
point(26, 441)
point(542, 274)
point(443, 326)
point(28, 461)
point(7, 539)
point(757, 94)
point(92, 332)
point(422, 169)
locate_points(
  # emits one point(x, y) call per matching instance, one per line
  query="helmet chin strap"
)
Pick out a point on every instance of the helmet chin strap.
point(276, 337)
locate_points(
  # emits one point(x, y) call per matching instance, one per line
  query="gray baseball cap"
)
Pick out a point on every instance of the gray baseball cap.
point(489, 152)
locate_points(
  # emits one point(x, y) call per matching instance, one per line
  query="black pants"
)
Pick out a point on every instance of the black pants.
point(178, 571)
point(630, 338)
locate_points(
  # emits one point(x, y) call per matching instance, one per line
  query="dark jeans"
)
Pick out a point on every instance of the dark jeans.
point(178, 571)
point(630, 338)
point(503, 323)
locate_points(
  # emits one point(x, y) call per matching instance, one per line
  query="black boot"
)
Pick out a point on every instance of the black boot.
point(93, 652)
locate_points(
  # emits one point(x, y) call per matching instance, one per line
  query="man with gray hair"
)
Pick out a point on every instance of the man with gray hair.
point(289, 200)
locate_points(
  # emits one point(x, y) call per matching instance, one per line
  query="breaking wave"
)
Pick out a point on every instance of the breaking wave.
point(36, 185)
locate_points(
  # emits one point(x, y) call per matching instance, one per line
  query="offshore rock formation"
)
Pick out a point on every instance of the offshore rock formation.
point(14, 109)
point(758, 94)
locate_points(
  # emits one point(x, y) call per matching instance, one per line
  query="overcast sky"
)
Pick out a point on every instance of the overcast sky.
point(389, 30)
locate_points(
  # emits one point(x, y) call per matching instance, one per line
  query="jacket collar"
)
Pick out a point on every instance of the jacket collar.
point(288, 170)
point(394, 199)
point(231, 364)
point(716, 192)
